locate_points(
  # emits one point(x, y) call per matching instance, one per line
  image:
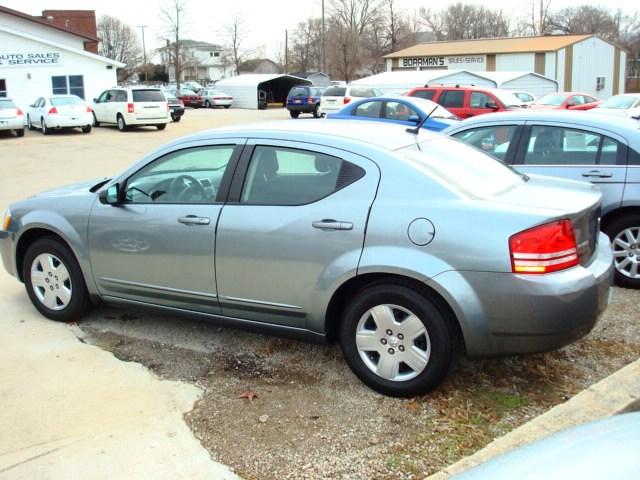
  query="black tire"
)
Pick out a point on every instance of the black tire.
point(29, 124)
point(294, 114)
point(623, 274)
point(207, 104)
point(122, 125)
point(86, 129)
point(316, 111)
point(161, 126)
point(96, 123)
point(79, 302)
point(43, 127)
point(439, 333)
point(227, 106)
point(176, 118)
point(20, 132)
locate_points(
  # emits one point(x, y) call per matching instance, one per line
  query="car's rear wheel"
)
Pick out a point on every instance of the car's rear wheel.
point(316, 111)
point(396, 340)
point(54, 281)
point(161, 126)
point(29, 124)
point(624, 233)
point(176, 118)
point(207, 104)
point(86, 129)
point(227, 106)
point(122, 125)
point(43, 127)
point(294, 114)
point(20, 132)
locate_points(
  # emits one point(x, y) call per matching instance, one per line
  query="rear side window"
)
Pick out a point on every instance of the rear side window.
point(368, 109)
point(286, 176)
point(148, 96)
point(298, 92)
point(426, 94)
point(335, 92)
point(494, 140)
point(452, 99)
point(119, 96)
point(6, 103)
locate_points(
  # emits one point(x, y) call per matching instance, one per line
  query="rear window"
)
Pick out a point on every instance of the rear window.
point(335, 92)
point(363, 92)
point(298, 92)
point(148, 96)
point(6, 103)
point(317, 91)
point(552, 100)
point(426, 94)
point(60, 101)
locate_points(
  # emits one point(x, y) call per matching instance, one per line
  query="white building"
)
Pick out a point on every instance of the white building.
point(580, 63)
point(38, 59)
point(201, 61)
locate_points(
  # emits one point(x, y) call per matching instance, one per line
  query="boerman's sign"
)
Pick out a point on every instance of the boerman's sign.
point(16, 59)
point(414, 62)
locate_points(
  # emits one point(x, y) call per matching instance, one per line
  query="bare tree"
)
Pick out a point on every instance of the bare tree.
point(462, 21)
point(235, 31)
point(305, 52)
point(119, 42)
point(174, 17)
point(587, 19)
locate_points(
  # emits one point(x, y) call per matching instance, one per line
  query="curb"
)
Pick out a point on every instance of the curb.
point(617, 393)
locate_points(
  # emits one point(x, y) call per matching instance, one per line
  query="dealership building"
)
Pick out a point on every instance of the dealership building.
point(51, 54)
point(583, 63)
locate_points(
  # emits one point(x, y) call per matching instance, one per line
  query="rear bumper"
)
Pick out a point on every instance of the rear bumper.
point(220, 103)
point(12, 123)
point(302, 108)
point(132, 119)
point(505, 313)
point(60, 121)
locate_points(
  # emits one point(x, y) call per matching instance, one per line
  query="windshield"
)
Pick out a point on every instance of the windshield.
point(619, 102)
point(461, 167)
point(335, 92)
point(60, 101)
point(508, 99)
point(551, 99)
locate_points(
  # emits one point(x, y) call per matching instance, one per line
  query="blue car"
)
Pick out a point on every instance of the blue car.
point(407, 111)
point(304, 99)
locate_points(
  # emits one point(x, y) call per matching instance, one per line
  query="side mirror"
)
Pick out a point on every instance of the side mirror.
point(110, 196)
point(414, 119)
point(492, 105)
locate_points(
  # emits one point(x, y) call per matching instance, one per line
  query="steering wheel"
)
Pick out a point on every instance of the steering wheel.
point(185, 187)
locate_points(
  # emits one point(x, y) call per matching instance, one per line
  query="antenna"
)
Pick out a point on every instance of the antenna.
point(415, 130)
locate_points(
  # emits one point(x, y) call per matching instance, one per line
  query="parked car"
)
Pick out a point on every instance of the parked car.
point(59, 112)
point(131, 106)
point(408, 111)
point(348, 231)
point(304, 99)
point(566, 101)
point(11, 117)
point(335, 98)
point(215, 98)
point(176, 107)
point(526, 97)
point(579, 146)
point(189, 98)
point(606, 448)
point(469, 101)
point(626, 105)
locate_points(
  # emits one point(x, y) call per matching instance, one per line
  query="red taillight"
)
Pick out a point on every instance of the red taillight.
point(89, 109)
point(53, 111)
point(547, 248)
point(309, 100)
point(346, 100)
point(19, 112)
point(130, 108)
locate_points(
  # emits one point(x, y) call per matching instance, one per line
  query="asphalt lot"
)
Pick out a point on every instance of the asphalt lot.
point(312, 418)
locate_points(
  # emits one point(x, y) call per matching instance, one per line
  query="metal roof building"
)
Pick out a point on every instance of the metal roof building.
point(583, 63)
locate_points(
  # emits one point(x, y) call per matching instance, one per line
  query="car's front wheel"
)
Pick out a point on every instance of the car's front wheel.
point(396, 340)
point(316, 111)
point(161, 126)
point(96, 123)
point(207, 104)
point(624, 233)
point(54, 281)
point(29, 124)
point(122, 125)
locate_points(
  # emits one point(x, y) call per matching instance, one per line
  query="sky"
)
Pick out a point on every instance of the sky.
point(265, 21)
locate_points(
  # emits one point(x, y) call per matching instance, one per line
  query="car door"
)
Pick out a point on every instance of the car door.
point(294, 224)
point(157, 245)
point(454, 101)
point(118, 104)
point(101, 106)
point(35, 112)
point(478, 102)
point(577, 153)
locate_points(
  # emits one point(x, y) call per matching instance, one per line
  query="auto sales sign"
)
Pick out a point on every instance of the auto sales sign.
point(30, 59)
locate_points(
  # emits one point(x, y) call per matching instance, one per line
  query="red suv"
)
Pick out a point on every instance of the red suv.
point(467, 102)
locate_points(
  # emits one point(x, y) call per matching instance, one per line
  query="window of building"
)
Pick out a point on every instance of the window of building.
point(216, 54)
point(3, 87)
point(59, 85)
point(71, 85)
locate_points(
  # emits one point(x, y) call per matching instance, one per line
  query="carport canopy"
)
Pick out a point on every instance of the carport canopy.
point(246, 89)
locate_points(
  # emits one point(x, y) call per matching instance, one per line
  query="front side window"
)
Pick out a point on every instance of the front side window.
point(399, 111)
point(494, 140)
point(480, 100)
point(452, 99)
point(187, 176)
point(287, 176)
point(368, 110)
point(567, 146)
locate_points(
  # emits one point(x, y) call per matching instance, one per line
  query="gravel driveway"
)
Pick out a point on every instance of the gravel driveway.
point(313, 419)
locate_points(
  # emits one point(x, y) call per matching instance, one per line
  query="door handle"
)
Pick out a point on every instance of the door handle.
point(194, 220)
point(597, 174)
point(330, 224)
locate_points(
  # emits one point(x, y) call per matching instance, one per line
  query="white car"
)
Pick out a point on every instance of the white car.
point(625, 105)
point(132, 106)
point(59, 111)
point(215, 98)
point(334, 98)
point(11, 117)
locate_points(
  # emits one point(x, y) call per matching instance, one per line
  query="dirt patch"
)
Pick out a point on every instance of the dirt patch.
point(313, 419)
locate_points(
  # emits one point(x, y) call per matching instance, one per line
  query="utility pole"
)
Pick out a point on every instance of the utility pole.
point(286, 51)
point(144, 52)
point(324, 53)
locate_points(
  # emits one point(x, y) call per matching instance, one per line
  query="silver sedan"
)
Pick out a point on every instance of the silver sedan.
point(403, 247)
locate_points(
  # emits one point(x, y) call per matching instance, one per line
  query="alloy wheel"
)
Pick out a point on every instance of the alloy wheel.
point(51, 281)
point(626, 252)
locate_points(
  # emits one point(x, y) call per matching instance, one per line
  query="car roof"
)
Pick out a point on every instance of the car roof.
point(382, 135)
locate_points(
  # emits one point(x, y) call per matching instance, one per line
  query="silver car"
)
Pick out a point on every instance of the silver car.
point(403, 247)
point(580, 146)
